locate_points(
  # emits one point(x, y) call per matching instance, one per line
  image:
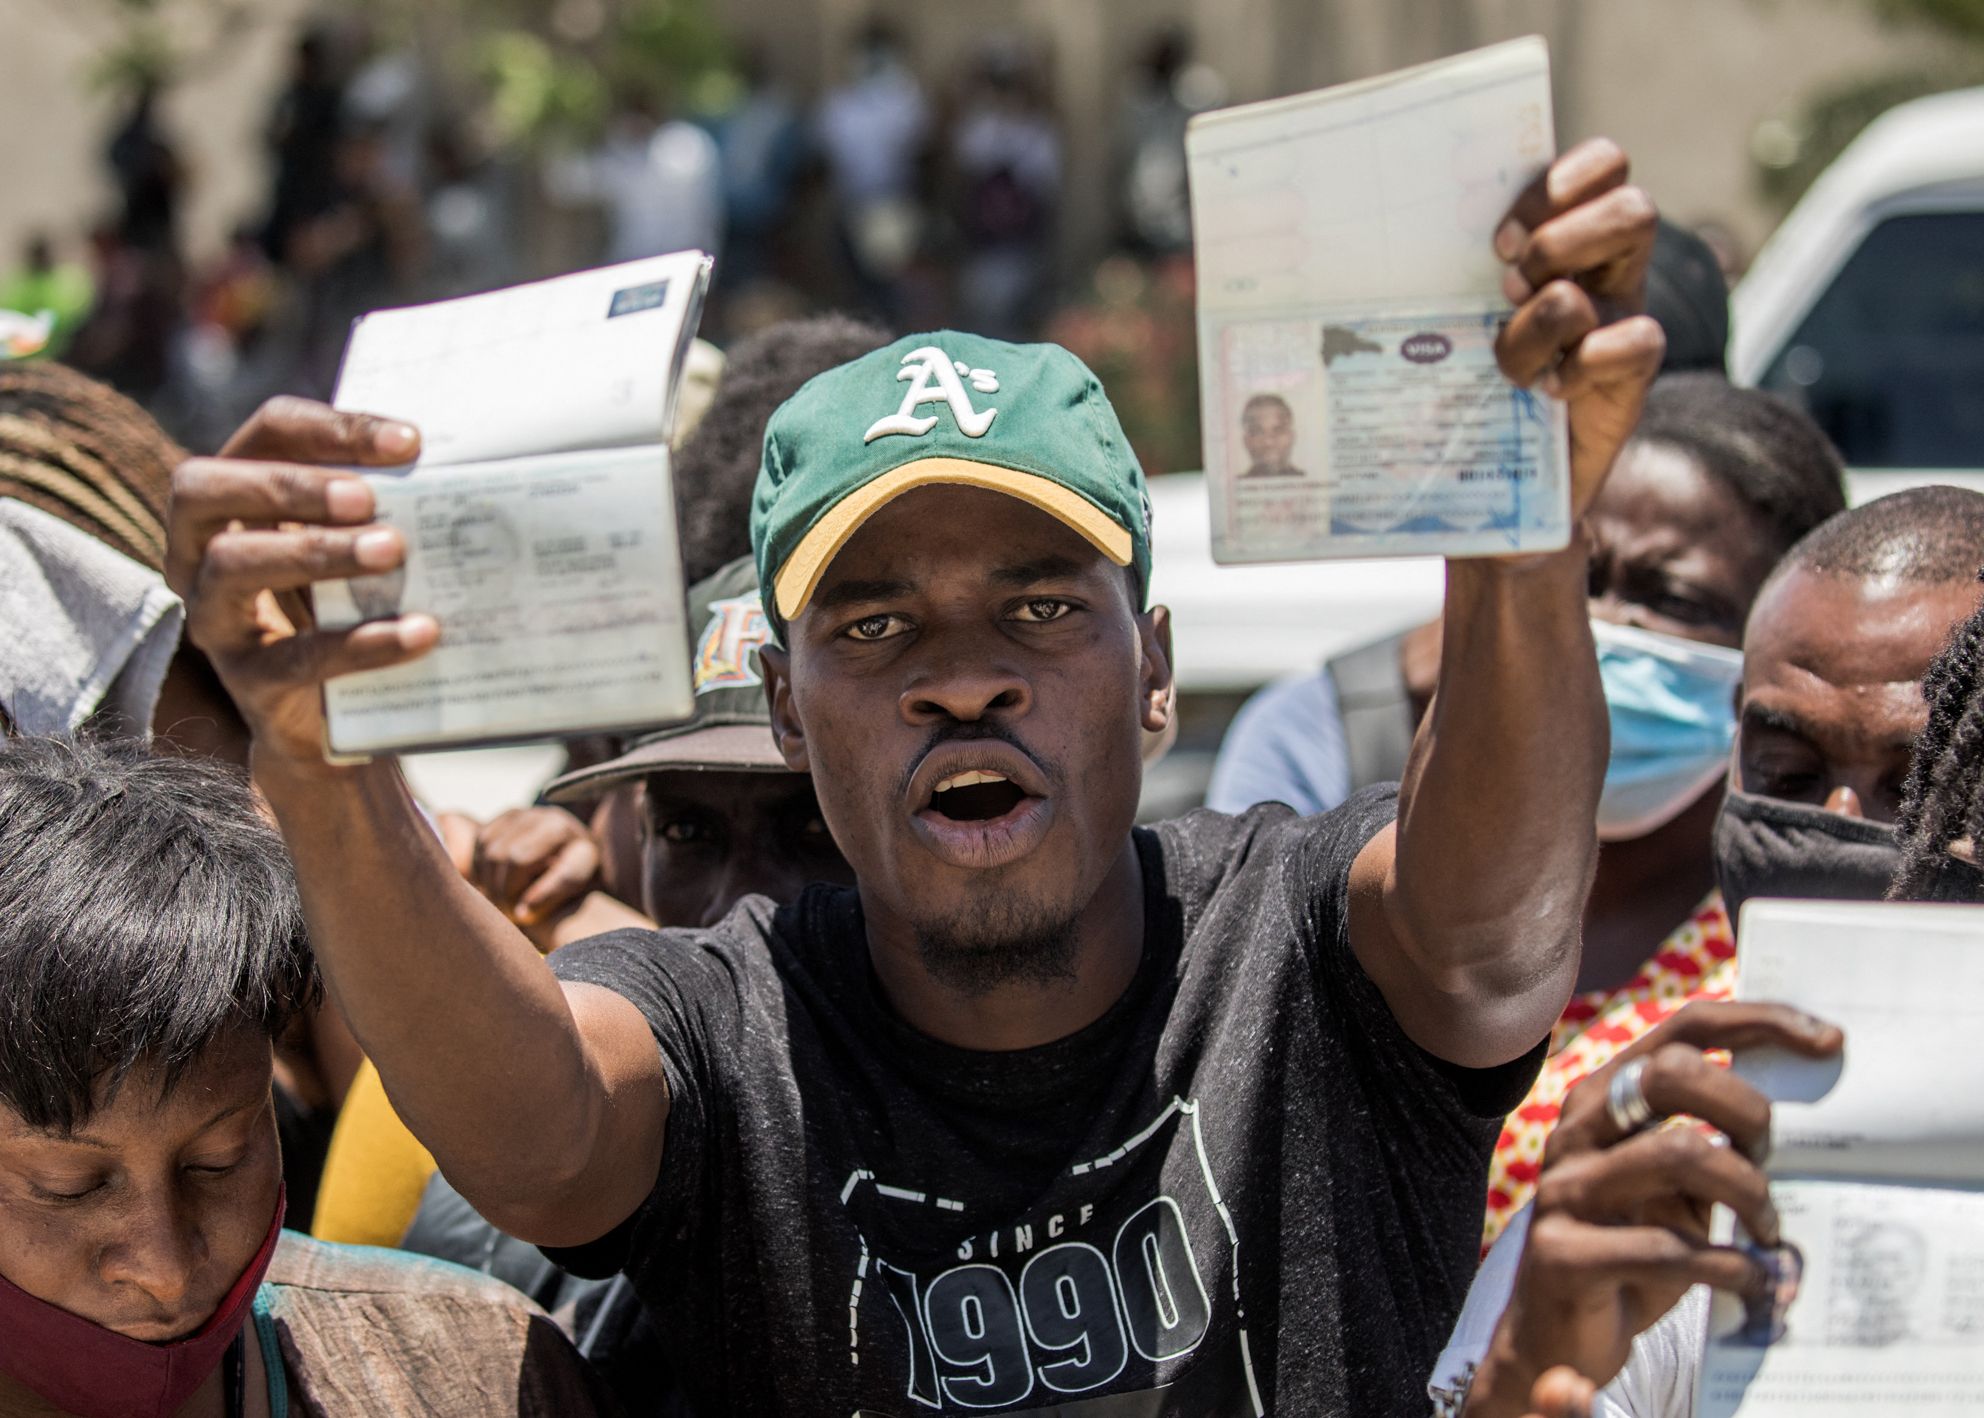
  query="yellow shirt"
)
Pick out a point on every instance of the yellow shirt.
point(375, 1173)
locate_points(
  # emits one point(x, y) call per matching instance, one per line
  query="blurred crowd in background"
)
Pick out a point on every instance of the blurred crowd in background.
point(913, 198)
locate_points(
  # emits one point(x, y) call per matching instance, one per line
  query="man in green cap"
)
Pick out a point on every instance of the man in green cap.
point(1046, 1114)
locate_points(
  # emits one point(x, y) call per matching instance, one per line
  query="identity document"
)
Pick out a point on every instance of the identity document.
point(1877, 1169)
point(540, 518)
point(1349, 300)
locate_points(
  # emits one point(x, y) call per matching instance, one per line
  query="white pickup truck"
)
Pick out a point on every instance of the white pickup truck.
point(1867, 304)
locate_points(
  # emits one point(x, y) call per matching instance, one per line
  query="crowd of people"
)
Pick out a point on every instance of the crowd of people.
point(941, 202)
point(847, 1048)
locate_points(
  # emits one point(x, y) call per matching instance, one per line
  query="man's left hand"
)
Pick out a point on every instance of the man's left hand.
point(1577, 243)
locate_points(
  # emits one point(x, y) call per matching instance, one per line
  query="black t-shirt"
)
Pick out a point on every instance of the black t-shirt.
point(1243, 1190)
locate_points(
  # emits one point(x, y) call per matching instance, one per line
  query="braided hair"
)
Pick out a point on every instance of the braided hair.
point(1943, 801)
point(81, 451)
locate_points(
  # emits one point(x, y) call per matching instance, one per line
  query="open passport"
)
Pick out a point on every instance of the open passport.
point(1876, 1166)
point(1349, 303)
point(539, 518)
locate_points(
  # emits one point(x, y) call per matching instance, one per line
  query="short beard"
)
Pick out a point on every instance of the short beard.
point(976, 954)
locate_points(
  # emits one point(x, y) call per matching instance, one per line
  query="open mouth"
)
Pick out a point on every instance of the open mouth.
point(980, 805)
point(976, 795)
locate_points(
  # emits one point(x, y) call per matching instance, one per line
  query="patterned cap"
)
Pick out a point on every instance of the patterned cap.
point(731, 728)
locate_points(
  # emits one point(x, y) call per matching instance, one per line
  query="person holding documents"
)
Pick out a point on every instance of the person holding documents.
point(1046, 1110)
point(1620, 1231)
point(1834, 653)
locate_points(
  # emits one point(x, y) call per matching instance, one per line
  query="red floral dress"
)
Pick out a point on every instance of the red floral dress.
point(1698, 961)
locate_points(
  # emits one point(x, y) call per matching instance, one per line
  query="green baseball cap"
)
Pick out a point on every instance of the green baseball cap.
point(731, 728)
point(1027, 420)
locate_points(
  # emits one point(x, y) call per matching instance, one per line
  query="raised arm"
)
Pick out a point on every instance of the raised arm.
point(544, 1104)
point(1467, 912)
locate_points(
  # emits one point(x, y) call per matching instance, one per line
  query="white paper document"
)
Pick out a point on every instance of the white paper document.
point(540, 519)
point(1877, 1168)
point(1349, 300)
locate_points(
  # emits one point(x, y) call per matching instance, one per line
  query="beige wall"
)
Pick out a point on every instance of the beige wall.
point(1682, 83)
point(53, 126)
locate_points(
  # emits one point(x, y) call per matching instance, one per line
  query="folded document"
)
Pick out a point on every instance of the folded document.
point(1877, 1169)
point(540, 518)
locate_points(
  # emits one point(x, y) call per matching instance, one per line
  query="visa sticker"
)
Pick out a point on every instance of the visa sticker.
point(635, 299)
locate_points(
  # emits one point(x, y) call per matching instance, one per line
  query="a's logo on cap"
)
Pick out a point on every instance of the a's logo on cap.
point(723, 656)
point(936, 378)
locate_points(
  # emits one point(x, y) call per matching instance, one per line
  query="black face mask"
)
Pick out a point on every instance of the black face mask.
point(1769, 847)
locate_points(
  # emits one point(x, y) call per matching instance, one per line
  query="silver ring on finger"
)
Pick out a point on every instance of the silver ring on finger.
point(1625, 1100)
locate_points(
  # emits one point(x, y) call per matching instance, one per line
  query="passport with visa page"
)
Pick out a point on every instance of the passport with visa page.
point(539, 518)
point(1349, 301)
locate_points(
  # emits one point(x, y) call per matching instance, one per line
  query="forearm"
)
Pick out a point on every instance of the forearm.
point(469, 1029)
point(1495, 846)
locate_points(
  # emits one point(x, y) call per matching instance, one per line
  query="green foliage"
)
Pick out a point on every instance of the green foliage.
point(658, 48)
point(553, 74)
point(1963, 19)
point(142, 56)
point(533, 91)
point(147, 47)
point(1791, 152)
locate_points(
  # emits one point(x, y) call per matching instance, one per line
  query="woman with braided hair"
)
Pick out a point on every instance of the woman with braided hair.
point(94, 634)
point(83, 452)
point(1942, 809)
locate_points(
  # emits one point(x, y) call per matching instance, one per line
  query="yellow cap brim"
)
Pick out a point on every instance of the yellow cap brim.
point(795, 581)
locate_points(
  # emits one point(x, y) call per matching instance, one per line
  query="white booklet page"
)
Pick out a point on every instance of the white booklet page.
point(540, 519)
point(1877, 1168)
point(1349, 300)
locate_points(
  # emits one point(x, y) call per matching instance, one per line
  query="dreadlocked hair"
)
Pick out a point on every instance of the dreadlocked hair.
point(1943, 801)
point(81, 451)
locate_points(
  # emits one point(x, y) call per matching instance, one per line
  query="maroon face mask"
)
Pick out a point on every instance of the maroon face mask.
point(93, 1372)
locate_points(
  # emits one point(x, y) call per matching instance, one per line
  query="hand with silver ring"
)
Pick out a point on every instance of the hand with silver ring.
point(1621, 1222)
point(1625, 1099)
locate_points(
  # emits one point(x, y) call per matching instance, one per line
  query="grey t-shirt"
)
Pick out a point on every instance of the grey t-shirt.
point(1242, 1190)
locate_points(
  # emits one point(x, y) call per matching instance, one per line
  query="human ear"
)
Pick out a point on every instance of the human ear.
point(787, 732)
point(1154, 699)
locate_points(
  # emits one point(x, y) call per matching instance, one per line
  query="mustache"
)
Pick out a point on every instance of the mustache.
point(977, 732)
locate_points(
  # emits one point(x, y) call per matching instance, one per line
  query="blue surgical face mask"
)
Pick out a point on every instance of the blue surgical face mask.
point(1672, 703)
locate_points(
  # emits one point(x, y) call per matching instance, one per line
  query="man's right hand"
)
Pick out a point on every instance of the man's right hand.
point(252, 528)
point(1621, 1225)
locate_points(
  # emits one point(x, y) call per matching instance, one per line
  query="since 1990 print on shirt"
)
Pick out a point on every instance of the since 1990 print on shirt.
point(1241, 1191)
point(1083, 1293)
